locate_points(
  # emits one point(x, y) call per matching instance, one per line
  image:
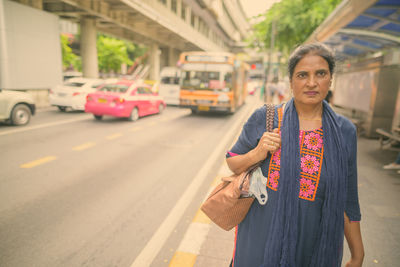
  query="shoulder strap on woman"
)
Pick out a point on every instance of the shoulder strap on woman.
point(270, 117)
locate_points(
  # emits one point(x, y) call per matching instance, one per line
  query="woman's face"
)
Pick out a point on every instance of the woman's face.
point(311, 80)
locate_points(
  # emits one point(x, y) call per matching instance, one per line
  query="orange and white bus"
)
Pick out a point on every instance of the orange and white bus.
point(212, 81)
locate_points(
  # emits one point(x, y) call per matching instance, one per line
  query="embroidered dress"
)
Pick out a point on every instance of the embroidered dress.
point(251, 234)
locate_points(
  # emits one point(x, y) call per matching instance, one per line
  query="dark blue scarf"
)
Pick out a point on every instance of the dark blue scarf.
point(281, 244)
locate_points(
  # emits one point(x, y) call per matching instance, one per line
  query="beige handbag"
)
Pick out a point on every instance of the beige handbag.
point(225, 206)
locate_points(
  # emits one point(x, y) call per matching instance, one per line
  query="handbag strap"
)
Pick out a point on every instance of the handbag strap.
point(269, 127)
point(270, 113)
point(270, 117)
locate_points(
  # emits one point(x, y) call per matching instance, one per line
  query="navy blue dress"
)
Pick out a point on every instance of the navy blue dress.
point(252, 232)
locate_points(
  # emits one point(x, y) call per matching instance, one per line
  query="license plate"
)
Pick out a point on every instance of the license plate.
point(204, 108)
point(102, 100)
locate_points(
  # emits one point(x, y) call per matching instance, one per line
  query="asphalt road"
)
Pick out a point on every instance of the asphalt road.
point(79, 192)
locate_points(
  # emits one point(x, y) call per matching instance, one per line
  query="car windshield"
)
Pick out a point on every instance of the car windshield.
point(115, 88)
point(210, 80)
point(74, 84)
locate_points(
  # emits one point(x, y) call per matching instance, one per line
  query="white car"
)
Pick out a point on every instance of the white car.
point(72, 94)
point(16, 107)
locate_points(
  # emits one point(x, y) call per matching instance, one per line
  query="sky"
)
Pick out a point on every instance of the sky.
point(256, 7)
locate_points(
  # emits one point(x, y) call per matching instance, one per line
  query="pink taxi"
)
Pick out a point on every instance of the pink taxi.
point(129, 99)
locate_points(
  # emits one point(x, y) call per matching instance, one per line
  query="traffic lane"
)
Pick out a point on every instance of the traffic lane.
point(53, 118)
point(37, 144)
point(70, 140)
point(117, 196)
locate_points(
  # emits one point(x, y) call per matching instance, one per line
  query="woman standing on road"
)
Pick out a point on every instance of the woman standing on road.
point(310, 164)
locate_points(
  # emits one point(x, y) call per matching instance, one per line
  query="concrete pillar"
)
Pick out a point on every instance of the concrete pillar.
point(88, 48)
point(164, 57)
point(154, 73)
point(169, 4)
point(173, 56)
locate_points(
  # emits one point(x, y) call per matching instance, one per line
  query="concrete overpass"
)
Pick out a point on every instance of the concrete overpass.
point(166, 26)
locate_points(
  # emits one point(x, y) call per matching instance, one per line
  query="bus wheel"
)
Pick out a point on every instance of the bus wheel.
point(194, 111)
point(232, 110)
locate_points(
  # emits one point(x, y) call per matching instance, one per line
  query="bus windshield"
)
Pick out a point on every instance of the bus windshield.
point(206, 80)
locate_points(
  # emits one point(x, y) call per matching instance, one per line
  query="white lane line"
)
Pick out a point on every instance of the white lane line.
point(24, 129)
point(150, 251)
point(195, 236)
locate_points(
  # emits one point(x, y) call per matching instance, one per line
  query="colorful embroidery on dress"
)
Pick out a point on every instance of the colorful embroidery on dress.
point(311, 155)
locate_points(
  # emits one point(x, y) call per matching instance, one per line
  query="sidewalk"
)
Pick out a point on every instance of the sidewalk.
point(379, 194)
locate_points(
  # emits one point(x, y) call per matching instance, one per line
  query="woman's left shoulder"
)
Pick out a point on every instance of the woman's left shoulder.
point(347, 127)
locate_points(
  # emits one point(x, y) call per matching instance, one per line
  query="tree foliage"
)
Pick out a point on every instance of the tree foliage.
point(295, 20)
point(69, 59)
point(112, 53)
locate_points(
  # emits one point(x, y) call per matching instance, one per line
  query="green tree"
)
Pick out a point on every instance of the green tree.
point(68, 57)
point(295, 20)
point(112, 52)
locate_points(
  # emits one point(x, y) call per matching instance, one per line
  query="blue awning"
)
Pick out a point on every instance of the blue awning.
point(358, 27)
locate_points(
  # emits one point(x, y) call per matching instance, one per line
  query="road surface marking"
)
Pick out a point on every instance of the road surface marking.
point(136, 128)
point(38, 162)
point(200, 217)
point(28, 128)
point(190, 246)
point(151, 249)
point(151, 124)
point(183, 259)
point(187, 252)
point(84, 146)
point(114, 136)
point(194, 237)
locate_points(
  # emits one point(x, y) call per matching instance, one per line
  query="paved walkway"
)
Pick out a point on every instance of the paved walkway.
point(379, 193)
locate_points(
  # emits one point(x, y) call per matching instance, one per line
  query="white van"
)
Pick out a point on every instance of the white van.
point(170, 85)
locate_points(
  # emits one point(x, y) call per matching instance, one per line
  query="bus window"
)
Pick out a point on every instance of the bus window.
point(206, 80)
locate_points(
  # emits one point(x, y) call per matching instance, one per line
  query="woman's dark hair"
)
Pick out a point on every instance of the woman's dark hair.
point(318, 49)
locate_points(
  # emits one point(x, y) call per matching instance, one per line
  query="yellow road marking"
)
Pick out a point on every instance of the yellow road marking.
point(38, 162)
point(166, 119)
point(183, 259)
point(151, 123)
point(136, 128)
point(83, 146)
point(114, 136)
point(200, 217)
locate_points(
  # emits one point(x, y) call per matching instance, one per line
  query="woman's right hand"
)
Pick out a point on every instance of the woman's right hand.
point(269, 142)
